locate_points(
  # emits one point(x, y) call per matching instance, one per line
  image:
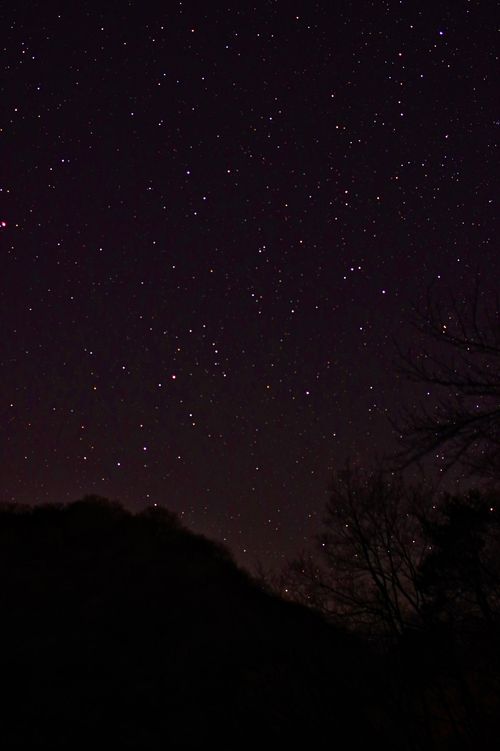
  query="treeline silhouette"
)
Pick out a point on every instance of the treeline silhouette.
point(413, 571)
point(416, 574)
point(128, 629)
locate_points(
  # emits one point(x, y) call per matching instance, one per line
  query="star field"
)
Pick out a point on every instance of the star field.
point(215, 220)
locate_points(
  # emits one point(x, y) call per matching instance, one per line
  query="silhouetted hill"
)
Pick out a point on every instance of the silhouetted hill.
point(131, 630)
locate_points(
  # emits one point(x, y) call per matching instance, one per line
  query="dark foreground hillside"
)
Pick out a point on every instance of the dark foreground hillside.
point(133, 631)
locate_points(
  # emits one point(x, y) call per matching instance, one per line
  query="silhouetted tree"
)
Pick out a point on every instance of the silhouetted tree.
point(366, 573)
point(424, 571)
point(460, 576)
point(457, 360)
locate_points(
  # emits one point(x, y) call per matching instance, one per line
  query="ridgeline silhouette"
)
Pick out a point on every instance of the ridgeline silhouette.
point(131, 630)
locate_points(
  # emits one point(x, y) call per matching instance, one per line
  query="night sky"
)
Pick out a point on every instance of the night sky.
point(215, 220)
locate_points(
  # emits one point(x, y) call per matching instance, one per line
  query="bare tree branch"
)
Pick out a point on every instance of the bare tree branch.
point(459, 365)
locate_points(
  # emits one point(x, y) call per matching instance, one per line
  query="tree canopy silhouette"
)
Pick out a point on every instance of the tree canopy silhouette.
point(418, 574)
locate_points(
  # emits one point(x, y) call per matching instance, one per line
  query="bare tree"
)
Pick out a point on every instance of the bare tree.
point(459, 366)
point(370, 552)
